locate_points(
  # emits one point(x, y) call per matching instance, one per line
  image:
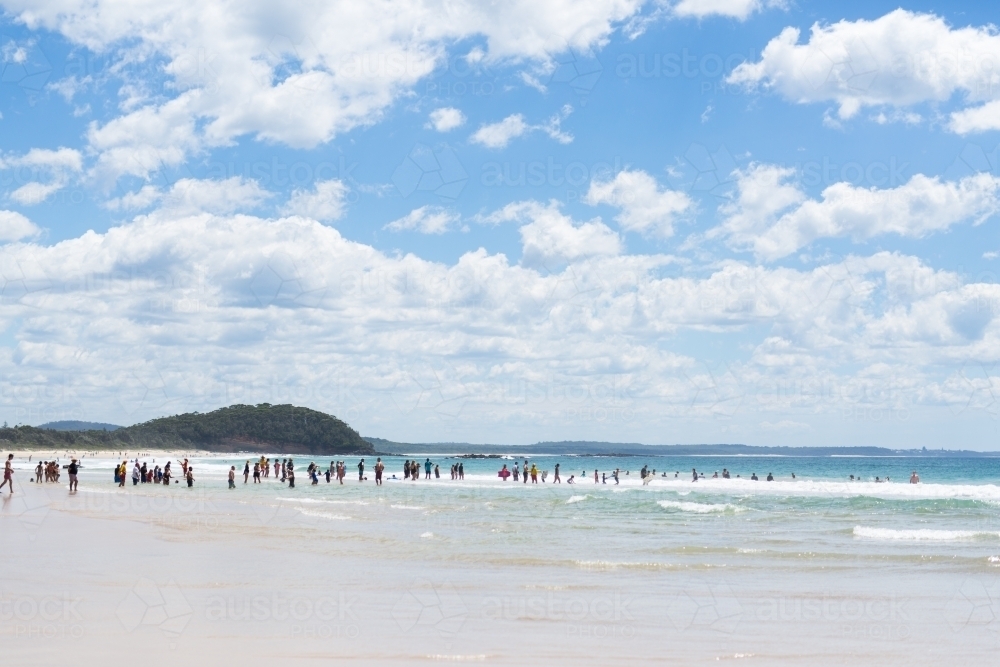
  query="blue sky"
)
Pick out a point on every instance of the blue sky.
point(617, 220)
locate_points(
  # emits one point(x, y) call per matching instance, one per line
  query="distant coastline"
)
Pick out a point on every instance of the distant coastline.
point(621, 449)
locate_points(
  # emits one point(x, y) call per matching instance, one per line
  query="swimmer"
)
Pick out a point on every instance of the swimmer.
point(770, 477)
point(570, 480)
point(914, 478)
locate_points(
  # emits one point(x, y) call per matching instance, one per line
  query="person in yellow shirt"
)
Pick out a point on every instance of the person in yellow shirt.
point(534, 474)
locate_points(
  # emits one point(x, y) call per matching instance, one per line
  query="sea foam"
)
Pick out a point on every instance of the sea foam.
point(923, 534)
point(699, 508)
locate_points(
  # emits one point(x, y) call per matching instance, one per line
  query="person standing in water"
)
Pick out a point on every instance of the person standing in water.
point(246, 472)
point(190, 477)
point(461, 471)
point(232, 477)
point(534, 474)
point(695, 474)
point(290, 473)
point(555, 477)
point(8, 473)
point(361, 470)
point(914, 478)
point(379, 467)
point(72, 470)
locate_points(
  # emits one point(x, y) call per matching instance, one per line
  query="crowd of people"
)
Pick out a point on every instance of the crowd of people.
point(284, 470)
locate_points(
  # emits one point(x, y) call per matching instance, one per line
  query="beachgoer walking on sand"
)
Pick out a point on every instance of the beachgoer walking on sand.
point(232, 477)
point(8, 473)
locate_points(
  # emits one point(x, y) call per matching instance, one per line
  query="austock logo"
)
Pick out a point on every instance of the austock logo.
point(161, 607)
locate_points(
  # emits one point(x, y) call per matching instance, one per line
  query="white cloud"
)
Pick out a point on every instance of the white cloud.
point(142, 199)
point(498, 135)
point(550, 238)
point(186, 311)
point(900, 59)
point(54, 167)
point(645, 208)
point(324, 202)
point(446, 119)
point(35, 193)
point(738, 9)
point(426, 220)
point(191, 196)
point(773, 217)
point(61, 159)
point(977, 119)
point(302, 74)
point(15, 227)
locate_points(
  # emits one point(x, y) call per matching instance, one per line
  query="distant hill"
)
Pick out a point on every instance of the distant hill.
point(71, 425)
point(285, 429)
point(592, 448)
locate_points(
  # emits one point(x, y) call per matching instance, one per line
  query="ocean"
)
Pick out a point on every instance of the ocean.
point(813, 570)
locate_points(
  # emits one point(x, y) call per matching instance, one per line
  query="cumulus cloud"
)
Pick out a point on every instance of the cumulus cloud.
point(324, 202)
point(977, 119)
point(51, 169)
point(900, 59)
point(180, 311)
point(498, 135)
point(191, 195)
point(15, 227)
point(551, 238)
point(302, 75)
point(426, 220)
point(446, 119)
point(773, 217)
point(645, 207)
point(738, 9)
